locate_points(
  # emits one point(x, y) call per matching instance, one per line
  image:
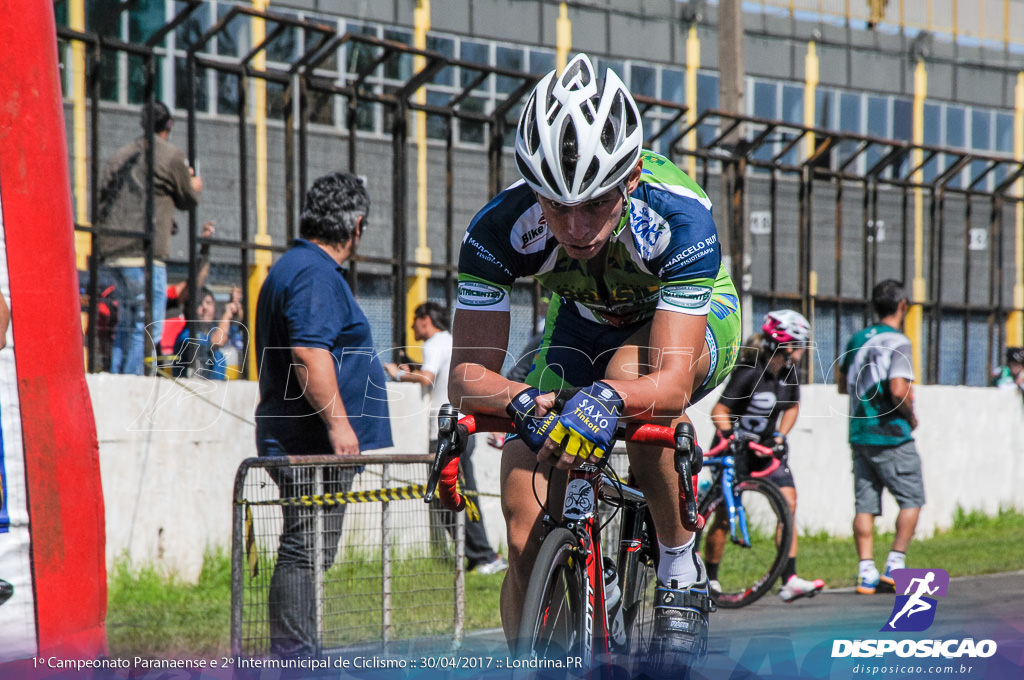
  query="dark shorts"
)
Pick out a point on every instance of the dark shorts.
point(576, 351)
point(783, 476)
point(896, 468)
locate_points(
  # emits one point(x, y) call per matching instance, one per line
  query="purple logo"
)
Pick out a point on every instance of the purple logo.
point(914, 610)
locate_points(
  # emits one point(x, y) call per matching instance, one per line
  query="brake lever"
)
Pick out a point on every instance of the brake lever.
point(689, 459)
point(447, 445)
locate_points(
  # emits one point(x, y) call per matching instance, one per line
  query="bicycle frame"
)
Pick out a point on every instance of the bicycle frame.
point(579, 512)
point(724, 466)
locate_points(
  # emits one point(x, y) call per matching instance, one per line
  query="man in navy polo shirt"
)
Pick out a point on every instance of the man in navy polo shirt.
point(321, 391)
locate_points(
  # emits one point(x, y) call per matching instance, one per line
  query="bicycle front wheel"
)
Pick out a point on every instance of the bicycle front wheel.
point(552, 625)
point(747, 571)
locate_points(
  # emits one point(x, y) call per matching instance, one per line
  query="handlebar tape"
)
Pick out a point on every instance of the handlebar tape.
point(447, 492)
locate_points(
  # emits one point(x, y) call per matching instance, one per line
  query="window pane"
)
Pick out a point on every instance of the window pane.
point(673, 84)
point(824, 108)
point(188, 32)
point(643, 80)
point(618, 66)
point(902, 119)
point(541, 61)
point(108, 75)
point(445, 46)
point(181, 87)
point(764, 99)
point(323, 62)
point(1004, 132)
point(793, 104)
point(228, 93)
point(399, 65)
point(137, 79)
point(932, 136)
point(470, 131)
point(436, 125)
point(475, 52)
point(360, 55)
point(235, 36)
point(955, 117)
point(145, 18)
point(513, 59)
point(707, 92)
point(284, 48)
point(981, 129)
point(103, 17)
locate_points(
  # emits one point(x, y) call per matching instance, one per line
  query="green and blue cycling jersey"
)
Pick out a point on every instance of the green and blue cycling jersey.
point(664, 254)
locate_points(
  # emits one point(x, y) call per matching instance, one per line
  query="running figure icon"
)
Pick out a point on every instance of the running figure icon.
point(919, 588)
point(915, 604)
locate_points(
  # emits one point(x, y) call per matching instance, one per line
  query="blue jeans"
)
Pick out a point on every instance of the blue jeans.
point(291, 600)
point(127, 354)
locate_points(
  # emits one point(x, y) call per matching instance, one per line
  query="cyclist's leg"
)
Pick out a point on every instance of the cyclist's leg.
point(523, 526)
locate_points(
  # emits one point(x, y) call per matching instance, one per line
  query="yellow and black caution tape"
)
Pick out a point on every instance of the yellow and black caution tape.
point(252, 558)
point(402, 493)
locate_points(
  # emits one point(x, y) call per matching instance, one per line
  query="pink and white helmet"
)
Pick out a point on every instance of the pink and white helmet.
point(785, 325)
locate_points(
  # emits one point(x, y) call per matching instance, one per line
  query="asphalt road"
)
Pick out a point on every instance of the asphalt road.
point(773, 640)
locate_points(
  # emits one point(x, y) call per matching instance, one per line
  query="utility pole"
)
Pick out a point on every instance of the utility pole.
point(732, 99)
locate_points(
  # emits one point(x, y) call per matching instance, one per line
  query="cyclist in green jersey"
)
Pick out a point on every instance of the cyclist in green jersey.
point(644, 321)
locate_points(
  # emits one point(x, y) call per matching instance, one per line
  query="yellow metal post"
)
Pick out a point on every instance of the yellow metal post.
point(811, 74)
point(692, 65)
point(563, 36)
point(83, 242)
point(1015, 320)
point(262, 259)
point(416, 286)
point(914, 323)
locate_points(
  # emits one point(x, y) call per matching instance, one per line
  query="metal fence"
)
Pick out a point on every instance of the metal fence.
point(348, 543)
point(809, 217)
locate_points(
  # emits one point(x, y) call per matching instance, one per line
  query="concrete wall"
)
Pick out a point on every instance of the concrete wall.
point(169, 452)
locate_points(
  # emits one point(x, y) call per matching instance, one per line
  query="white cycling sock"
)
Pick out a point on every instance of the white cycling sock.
point(867, 568)
point(677, 564)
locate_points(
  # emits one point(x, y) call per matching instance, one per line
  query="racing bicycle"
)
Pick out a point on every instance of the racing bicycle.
point(747, 525)
point(578, 602)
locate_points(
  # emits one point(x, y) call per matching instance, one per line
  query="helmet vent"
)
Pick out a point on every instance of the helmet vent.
point(570, 150)
point(588, 178)
point(549, 177)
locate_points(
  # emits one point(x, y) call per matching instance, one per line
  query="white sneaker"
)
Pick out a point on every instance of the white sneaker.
point(714, 585)
point(797, 587)
point(495, 566)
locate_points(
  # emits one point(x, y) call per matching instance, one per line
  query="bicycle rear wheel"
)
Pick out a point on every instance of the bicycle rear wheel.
point(552, 625)
point(748, 572)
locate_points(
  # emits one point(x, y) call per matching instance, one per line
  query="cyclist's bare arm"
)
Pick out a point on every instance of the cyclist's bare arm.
point(676, 346)
point(479, 342)
point(788, 419)
point(721, 417)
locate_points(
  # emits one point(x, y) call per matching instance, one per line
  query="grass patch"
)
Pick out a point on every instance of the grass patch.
point(152, 614)
point(976, 544)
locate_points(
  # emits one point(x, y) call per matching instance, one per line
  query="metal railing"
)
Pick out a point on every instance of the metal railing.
point(833, 200)
point(348, 543)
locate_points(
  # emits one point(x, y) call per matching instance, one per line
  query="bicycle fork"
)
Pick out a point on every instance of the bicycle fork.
point(738, 532)
point(580, 515)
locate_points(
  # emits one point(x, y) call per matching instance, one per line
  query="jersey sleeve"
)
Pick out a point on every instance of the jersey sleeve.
point(505, 241)
point(688, 257)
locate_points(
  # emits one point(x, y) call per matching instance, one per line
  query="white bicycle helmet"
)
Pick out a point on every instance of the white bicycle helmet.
point(578, 137)
point(785, 325)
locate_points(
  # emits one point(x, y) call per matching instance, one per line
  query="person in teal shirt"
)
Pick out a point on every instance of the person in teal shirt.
point(877, 371)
